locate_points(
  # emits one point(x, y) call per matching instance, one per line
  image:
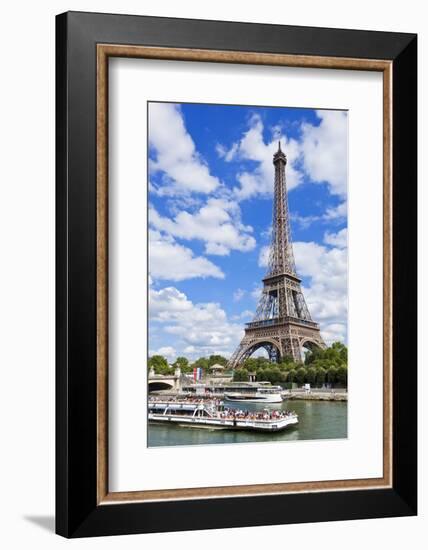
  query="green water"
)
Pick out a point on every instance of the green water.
point(317, 420)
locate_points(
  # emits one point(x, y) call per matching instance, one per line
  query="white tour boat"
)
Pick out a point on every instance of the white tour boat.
point(262, 395)
point(203, 415)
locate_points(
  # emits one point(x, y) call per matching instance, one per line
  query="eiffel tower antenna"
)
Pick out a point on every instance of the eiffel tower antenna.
point(282, 323)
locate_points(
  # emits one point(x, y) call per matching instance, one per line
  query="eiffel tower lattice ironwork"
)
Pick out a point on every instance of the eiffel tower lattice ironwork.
point(282, 323)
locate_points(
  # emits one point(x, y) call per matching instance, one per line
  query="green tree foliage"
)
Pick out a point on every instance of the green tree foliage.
point(260, 374)
point(183, 364)
point(240, 375)
point(300, 375)
point(202, 363)
point(313, 355)
point(321, 375)
point(292, 375)
point(342, 375)
point(331, 375)
point(255, 363)
point(330, 364)
point(288, 364)
point(159, 364)
point(320, 366)
point(342, 350)
point(207, 362)
point(273, 375)
point(217, 360)
point(336, 355)
point(311, 375)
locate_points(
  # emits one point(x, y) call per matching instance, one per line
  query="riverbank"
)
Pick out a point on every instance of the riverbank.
point(317, 396)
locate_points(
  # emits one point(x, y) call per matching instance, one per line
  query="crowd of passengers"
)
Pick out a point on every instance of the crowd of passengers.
point(229, 413)
point(238, 414)
point(183, 398)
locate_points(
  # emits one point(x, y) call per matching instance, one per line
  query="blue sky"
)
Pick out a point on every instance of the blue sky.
point(210, 210)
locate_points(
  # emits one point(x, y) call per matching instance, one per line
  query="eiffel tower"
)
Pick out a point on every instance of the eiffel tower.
point(282, 323)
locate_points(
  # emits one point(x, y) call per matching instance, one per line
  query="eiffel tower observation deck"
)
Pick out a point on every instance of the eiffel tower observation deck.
point(282, 324)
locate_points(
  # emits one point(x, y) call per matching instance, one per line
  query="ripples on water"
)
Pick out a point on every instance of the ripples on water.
point(317, 420)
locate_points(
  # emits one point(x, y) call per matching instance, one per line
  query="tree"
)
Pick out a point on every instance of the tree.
point(287, 365)
point(250, 364)
point(260, 375)
point(159, 364)
point(342, 376)
point(273, 375)
point(217, 360)
point(313, 354)
point(311, 374)
point(300, 375)
point(202, 363)
point(331, 374)
point(278, 375)
point(342, 351)
point(292, 375)
point(240, 375)
point(336, 354)
point(183, 364)
point(262, 362)
point(320, 376)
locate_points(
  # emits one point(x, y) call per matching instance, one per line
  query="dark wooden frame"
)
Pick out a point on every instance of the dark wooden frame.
point(84, 43)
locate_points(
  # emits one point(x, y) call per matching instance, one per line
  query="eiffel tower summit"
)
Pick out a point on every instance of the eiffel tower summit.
point(282, 324)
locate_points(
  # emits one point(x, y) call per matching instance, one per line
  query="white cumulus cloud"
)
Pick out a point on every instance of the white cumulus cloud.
point(339, 239)
point(217, 223)
point(238, 294)
point(201, 328)
point(167, 351)
point(321, 152)
point(182, 167)
point(171, 261)
point(246, 314)
point(167, 302)
point(332, 214)
point(325, 150)
point(264, 256)
point(327, 292)
point(340, 211)
point(253, 147)
point(227, 154)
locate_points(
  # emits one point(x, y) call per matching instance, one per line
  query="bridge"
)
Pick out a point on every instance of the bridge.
point(159, 382)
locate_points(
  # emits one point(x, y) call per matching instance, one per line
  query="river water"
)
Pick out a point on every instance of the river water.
point(317, 420)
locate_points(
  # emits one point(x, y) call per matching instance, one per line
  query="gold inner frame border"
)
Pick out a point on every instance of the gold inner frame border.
point(104, 52)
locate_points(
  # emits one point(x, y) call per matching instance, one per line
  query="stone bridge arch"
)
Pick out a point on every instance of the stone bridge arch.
point(158, 385)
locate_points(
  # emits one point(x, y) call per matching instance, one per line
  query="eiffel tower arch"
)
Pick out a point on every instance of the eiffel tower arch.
point(282, 324)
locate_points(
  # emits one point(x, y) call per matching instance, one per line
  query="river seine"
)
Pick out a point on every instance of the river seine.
point(317, 420)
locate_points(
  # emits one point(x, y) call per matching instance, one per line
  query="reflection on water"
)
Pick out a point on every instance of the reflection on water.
point(317, 420)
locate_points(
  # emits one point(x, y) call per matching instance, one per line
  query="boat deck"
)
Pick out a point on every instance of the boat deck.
point(194, 414)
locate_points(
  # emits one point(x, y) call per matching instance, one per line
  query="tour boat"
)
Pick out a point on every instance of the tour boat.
point(203, 415)
point(262, 395)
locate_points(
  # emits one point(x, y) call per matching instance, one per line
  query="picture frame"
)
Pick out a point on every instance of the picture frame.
point(84, 44)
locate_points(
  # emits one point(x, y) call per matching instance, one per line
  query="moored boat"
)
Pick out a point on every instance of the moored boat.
point(203, 414)
point(262, 395)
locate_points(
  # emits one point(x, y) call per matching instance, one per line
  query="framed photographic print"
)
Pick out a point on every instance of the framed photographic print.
point(236, 274)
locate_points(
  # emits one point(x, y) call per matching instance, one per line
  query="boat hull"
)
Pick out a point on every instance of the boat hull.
point(273, 425)
point(275, 398)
